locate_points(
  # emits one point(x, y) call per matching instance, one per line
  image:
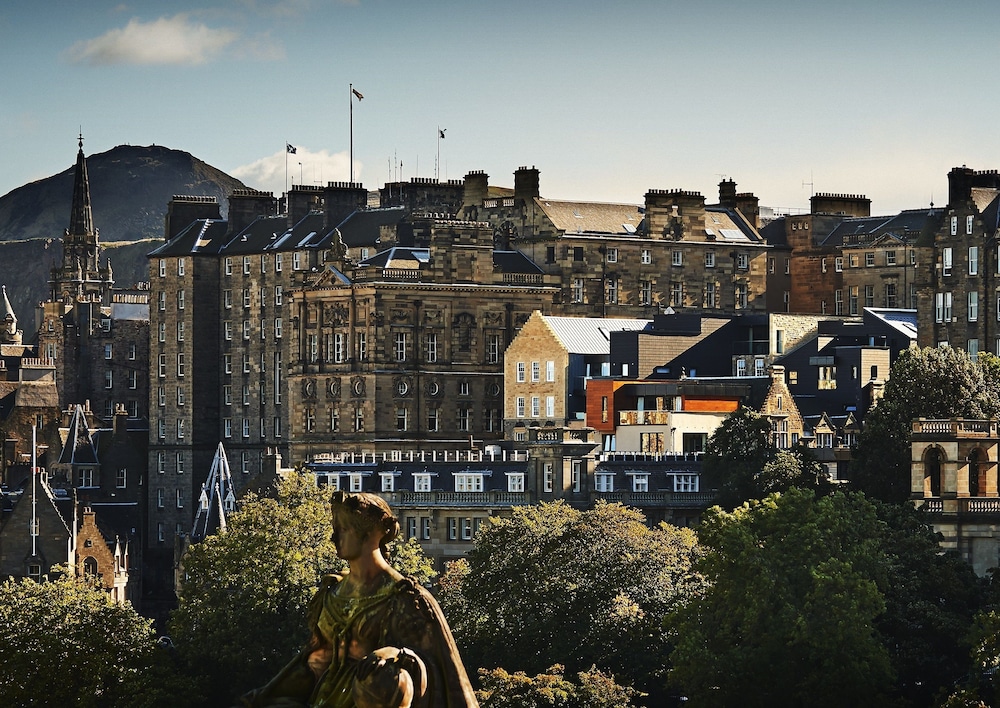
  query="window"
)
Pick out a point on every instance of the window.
point(109, 379)
point(611, 291)
point(973, 348)
point(578, 253)
point(645, 292)
point(838, 302)
point(577, 290)
point(338, 347)
point(227, 363)
point(686, 483)
point(402, 418)
point(770, 265)
point(246, 265)
point(180, 266)
point(854, 260)
point(180, 499)
point(946, 258)
point(612, 255)
point(869, 296)
point(954, 225)
point(741, 296)
point(973, 260)
point(493, 349)
point(677, 258)
point(160, 464)
point(822, 265)
point(520, 406)
point(604, 482)
point(742, 261)
point(277, 295)
point(246, 298)
point(968, 225)
point(227, 328)
point(577, 475)
point(890, 258)
point(515, 481)
point(468, 482)
point(710, 300)
point(547, 477)
point(464, 419)
point(677, 294)
point(180, 299)
point(161, 395)
point(550, 371)
point(647, 256)
point(741, 367)
point(431, 348)
point(758, 367)
point(550, 406)
point(180, 395)
point(180, 364)
point(433, 418)
point(973, 306)
point(296, 260)
point(361, 346)
point(227, 299)
point(709, 259)
point(159, 499)
point(162, 332)
point(161, 429)
point(422, 482)
point(277, 328)
point(536, 407)
point(277, 262)
point(161, 300)
point(890, 295)
point(852, 300)
point(399, 345)
point(180, 428)
point(163, 268)
point(640, 483)
point(227, 427)
point(869, 259)
point(536, 372)
point(838, 264)
point(359, 419)
point(229, 265)
point(788, 266)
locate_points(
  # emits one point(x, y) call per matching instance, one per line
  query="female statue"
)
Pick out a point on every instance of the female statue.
point(378, 640)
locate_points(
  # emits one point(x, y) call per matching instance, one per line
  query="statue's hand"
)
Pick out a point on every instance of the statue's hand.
point(389, 677)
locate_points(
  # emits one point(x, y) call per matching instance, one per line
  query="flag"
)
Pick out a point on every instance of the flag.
point(290, 148)
point(357, 93)
point(441, 132)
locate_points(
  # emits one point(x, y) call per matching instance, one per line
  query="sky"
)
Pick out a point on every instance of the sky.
point(606, 99)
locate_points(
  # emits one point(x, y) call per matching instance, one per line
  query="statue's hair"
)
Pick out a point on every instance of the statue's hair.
point(366, 513)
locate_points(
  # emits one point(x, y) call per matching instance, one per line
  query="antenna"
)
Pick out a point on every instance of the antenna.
point(810, 184)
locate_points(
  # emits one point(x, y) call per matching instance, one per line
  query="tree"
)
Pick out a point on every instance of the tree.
point(741, 462)
point(65, 642)
point(788, 616)
point(934, 382)
point(594, 689)
point(241, 612)
point(835, 600)
point(552, 584)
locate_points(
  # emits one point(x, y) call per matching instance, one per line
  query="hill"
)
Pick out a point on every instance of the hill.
point(130, 187)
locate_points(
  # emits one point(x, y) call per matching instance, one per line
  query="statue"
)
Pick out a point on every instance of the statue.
point(379, 640)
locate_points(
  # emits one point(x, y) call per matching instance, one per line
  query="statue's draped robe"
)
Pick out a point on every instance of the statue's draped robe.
point(399, 614)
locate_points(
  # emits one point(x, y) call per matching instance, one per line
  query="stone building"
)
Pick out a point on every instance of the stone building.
point(957, 275)
point(98, 336)
point(953, 476)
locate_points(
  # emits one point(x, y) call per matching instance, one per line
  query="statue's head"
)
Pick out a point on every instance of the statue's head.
point(365, 514)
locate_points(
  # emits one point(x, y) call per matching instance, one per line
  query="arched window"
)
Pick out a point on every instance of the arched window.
point(977, 480)
point(932, 472)
point(90, 566)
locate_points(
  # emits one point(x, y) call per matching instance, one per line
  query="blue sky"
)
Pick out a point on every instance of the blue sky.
point(607, 99)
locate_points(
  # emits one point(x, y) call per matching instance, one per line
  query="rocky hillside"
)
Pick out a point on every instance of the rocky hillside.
point(129, 190)
point(130, 187)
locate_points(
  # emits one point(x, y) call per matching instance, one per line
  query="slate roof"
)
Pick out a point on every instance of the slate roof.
point(399, 257)
point(363, 227)
point(78, 445)
point(590, 335)
point(263, 234)
point(592, 217)
point(854, 230)
point(201, 236)
point(514, 262)
point(130, 311)
point(904, 321)
point(442, 473)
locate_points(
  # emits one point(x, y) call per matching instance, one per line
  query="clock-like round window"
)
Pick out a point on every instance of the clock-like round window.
point(402, 388)
point(433, 388)
point(359, 387)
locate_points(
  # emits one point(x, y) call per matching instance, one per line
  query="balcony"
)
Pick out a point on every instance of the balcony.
point(965, 505)
point(643, 417)
point(492, 498)
point(957, 427)
point(659, 500)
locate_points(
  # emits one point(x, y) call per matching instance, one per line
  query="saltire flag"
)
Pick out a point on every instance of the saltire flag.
point(441, 132)
point(290, 148)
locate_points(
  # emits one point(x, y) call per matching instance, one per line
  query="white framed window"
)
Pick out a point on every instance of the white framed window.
point(520, 406)
point(838, 264)
point(522, 371)
point(612, 255)
point(180, 300)
point(277, 263)
point(227, 395)
point(550, 406)
point(742, 261)
point(431, 347)
point(163, 268)
point(162, 332)
point(246, 265)
point(433, 419)
point(161, 395)
point(464, 419)
point(338, 347)
point(278, 295)
point(246, 298)
point(180, 395)
point(180, 266)
point(640, 483)
point(179, 495)
point(161, 300)
point(296, 260)
point(890, 258)
point(973, 305)
point(869, 259)
point(425, 528)
point(180, 364)
point(968, 225)
point(227, 427)
point(954, 225)
point(277, 328)
point(611, 291)
point(685, 483)
point(399, 345)
point(946, 260)
point(229, 265)
point(536, 407)
point(109, 379)
point(227, 299)
point(108, 351)
point(515, 481)
point(604, 482)
point(710, 299)
point(421, 482)
point(227, 328)
point(677, 258)
point(468, 482)
point(709, 259)
point(388, 481)
point(361, 346)
point(227, 363)
point(577, 475)
point(536, 372)
point(973, 260)
point(577, 290)
point(647, 256)
point(741, 296)
point(160, 462)
point(493, 349)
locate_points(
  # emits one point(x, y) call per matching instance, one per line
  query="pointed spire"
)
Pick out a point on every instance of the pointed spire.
point(7, 312)
point(81, 218)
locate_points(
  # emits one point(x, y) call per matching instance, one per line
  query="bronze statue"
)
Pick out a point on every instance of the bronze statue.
point(379, 640)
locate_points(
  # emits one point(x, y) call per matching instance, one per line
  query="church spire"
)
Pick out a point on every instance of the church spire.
point(81, 218)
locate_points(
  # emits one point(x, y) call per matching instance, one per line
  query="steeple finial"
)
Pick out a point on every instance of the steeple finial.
point(81, 218)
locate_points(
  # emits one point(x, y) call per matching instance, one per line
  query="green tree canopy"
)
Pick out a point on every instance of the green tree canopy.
point(934, 382)
point(241, 612)
point(552, 584)
point(592, 689)
point(832, 600)
point(66, 643)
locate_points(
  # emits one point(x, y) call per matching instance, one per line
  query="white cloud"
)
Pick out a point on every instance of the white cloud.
point(173, 40)
point(317, 168)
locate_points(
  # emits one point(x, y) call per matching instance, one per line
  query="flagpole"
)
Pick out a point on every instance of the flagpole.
point(350, 98)
point(437, 160)
point(286, 167)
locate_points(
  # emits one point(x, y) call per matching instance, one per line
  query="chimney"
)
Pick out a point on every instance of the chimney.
point(182, 210)
point(727, 194)
point(749, 206)
point(841, 204)
point(477, 187)
point(341, 199)
point(301, 201)
point(246, 205)
point(525, 185)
